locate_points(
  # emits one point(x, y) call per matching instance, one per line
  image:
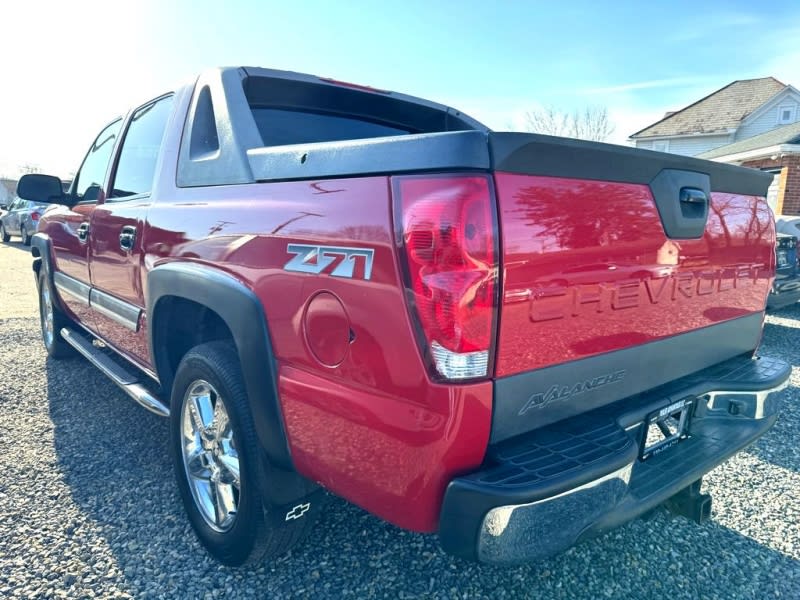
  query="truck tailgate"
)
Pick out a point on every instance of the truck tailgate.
point(635, 267)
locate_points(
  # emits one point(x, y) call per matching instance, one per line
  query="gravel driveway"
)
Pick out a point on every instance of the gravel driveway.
point(89, 508)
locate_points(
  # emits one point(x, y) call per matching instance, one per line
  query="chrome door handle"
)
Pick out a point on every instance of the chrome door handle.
point(127, 238)
point(83, 232)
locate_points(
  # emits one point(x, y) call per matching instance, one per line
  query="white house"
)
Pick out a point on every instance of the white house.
point(6, 195)
point(778, 152)
point(742, 109)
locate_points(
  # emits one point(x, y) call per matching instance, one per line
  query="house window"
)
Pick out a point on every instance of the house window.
point(661, 145)
point(786, 114)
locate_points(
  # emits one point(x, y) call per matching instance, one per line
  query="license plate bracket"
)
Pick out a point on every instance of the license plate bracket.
point(666, 427)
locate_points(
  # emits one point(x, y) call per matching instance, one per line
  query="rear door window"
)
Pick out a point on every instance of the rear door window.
point(136, 167)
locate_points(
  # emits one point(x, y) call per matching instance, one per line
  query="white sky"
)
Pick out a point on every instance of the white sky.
point(62, 80)
point(68, 68)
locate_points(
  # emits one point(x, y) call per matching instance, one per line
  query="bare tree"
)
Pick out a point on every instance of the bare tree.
point(29, 168)
point(591, 123)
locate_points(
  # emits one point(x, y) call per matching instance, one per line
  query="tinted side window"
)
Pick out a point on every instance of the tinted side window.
point(137, 160)
point(279, 127)
point(91, 176)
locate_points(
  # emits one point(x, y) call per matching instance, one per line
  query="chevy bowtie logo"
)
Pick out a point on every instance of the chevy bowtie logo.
point(298, 511)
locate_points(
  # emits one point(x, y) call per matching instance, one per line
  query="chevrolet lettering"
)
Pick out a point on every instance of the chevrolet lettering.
point(560, 302)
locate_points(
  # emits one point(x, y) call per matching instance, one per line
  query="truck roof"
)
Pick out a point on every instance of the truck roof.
point(223, 143)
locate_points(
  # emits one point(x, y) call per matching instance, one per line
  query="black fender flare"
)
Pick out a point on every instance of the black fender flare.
point(42, 252)
point(242, 311)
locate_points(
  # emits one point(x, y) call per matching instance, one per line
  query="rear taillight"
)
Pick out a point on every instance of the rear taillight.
point(34, 216)
point(446, 230)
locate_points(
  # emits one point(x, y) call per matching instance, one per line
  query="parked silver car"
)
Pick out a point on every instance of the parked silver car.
point(22, 219)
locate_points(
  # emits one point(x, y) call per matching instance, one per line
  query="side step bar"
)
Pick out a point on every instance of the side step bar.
point(125, 380)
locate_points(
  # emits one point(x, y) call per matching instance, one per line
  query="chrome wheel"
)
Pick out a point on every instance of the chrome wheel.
point(210, 456)
point(48, 327)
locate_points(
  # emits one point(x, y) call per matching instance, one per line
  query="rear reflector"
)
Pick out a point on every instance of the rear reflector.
point(446, 229)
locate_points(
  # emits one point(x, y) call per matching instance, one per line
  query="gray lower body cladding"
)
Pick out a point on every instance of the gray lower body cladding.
point(531, 400)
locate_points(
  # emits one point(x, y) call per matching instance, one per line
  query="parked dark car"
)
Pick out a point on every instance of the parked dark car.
point(786, 286)
point(22, 219)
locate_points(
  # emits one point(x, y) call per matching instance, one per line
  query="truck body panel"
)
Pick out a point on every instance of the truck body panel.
point(376, 394)
point(605, 277)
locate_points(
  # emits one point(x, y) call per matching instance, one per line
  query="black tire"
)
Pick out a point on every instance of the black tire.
point(3, 233)
point(258, 529)
point(55, 345)
point(26, 239)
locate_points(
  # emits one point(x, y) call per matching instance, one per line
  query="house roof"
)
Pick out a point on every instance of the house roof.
point(718, 112)
point(788, 134)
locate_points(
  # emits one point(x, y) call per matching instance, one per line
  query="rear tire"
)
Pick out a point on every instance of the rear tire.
point(26, 239)
point(217, 462)
point(52, 320)
point(3, 233)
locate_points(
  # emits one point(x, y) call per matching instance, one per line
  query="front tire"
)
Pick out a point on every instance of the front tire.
point(217, 461)
point(52, 320)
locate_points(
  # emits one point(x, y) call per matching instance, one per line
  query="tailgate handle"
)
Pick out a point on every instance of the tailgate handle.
point(693, 195)
point(693, 203)
point(683, 199)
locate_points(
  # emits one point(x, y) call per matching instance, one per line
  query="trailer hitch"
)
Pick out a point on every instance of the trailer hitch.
point(690, 503)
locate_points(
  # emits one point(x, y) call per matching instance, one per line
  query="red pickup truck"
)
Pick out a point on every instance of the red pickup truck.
point(515, 340)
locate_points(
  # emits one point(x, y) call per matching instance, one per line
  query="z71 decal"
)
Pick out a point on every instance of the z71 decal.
point(316, 259)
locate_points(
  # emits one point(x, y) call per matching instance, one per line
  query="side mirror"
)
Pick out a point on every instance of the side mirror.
point(3, 206)
point(40, 188)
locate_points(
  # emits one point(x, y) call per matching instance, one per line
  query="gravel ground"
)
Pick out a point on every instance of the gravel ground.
point(88, 507)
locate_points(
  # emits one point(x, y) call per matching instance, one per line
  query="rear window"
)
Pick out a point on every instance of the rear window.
point(296, 111)
point(279, 127)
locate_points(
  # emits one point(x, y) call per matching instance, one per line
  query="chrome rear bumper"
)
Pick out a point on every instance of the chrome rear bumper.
point(477, 523)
